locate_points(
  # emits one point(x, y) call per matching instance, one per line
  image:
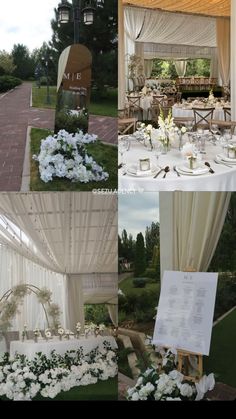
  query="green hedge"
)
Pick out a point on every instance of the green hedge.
point(71, 123)
point(8, 83)
point(139, 282)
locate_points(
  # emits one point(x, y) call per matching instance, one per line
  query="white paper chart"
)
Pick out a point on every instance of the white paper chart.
point(185, 311)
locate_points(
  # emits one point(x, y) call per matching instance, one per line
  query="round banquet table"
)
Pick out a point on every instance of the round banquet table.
point(179, 111)
point(224, 178)
point(30, 348)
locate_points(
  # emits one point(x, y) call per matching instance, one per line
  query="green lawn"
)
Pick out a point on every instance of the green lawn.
point(127, 287)
point(39, 97)
point(103, 390)
point(221, 360)
point(106, 106)
point(106, 155)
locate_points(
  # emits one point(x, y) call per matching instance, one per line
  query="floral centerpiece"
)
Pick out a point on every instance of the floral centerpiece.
point(211, 98)
point(166, 129)
point(145, 131)
point(64, 155)
point(168, 384)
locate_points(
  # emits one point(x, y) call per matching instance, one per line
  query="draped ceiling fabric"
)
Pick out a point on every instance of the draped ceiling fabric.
point(65, 233)
point(69, 233)
point(190, 227)
point(209, 7)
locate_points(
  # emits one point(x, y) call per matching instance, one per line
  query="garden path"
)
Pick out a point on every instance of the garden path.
point(16, 115)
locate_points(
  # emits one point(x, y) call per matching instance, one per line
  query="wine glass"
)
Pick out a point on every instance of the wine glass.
point(123, 146)
point(158, 149)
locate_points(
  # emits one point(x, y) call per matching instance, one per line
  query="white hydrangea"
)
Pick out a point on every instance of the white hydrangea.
point(64, 156)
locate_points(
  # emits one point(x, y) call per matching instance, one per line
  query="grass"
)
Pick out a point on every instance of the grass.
point(105, 106)
point(106, 155)
point(127, 287)
point(39, 97)
point(221, 360)
point(103, 390)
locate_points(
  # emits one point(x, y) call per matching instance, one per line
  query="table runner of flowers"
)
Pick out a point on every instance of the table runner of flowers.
point(22, 379)
point(64, 155)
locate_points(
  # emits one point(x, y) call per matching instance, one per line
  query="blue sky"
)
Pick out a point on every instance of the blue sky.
point(26, 22)
point(136, 212)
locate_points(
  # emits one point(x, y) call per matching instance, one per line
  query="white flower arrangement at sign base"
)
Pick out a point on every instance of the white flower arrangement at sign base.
point(166, 131)
point(64, 156)
point(168, 384)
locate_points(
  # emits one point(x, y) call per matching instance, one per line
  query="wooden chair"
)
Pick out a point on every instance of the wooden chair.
point(183, 120)
point(202, 116)
point(227, 113)
point(155, 112)
point(223, 125)
point(134, 105)
point(126, 125)
point(158, 99)
point(166, 110)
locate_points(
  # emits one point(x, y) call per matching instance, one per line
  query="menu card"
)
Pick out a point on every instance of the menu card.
point(185, 311)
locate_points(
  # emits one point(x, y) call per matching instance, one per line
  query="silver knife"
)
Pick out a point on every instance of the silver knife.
point(154, 177)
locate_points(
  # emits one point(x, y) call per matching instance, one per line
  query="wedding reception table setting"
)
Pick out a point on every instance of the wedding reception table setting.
point(199, 161)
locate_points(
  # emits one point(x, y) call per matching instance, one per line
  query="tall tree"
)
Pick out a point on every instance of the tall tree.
point(23, 62)
point(7, 65)
point(140, 257)
point(100, 38)
point(152, 238)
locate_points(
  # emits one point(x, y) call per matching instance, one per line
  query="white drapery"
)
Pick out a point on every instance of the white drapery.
point(148, 66)
point(233, 61)
point(62, 66)
point(177, 28)
point(66, 232)
point(223, 44)
point(113, 313)
point(164, 51)
point(190, 228)
point(181, 67)
point(75, 301)
point(121, 57)
point(16, 269)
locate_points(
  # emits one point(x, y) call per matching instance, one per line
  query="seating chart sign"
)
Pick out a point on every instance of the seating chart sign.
point(185, 311)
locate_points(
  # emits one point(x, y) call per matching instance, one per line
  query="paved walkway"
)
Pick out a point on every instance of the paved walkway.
point(15, 116)
point(105, 127)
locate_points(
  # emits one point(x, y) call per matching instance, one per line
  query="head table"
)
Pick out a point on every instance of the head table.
point(224, 178)
point(29, 348)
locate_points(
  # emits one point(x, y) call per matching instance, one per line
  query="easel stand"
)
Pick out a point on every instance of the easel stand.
point(184, 364)
point(184, 357)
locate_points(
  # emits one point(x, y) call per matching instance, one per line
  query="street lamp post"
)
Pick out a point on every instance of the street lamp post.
point(78, 9)
point(46, 58)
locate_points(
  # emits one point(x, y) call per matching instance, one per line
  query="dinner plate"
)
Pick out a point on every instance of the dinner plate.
point(132, 170)
point(225, 158)
point(185, 170)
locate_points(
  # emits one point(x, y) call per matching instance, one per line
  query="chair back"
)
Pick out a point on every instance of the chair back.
point(227, 113)
point(202, 116)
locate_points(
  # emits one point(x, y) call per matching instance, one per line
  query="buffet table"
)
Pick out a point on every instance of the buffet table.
point(224, 178)
point(29, 348)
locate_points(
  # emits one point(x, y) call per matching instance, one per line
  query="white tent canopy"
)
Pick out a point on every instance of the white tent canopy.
point(64, 241)
point(179, 35)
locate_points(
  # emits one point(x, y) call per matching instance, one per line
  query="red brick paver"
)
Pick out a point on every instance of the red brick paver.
point(105, 127)
point(15, 116)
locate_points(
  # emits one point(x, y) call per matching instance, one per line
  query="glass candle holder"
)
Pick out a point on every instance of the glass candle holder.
point(144, 164)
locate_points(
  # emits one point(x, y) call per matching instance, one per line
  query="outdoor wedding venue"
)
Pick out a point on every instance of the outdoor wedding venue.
point(58, 296)
point(58, 96)
point(176, 337)
point(177, 95)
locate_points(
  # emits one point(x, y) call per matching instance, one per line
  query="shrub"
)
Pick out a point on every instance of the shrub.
point(70, 123)
point(139, 282)
point(8, 83)
point(151, 274)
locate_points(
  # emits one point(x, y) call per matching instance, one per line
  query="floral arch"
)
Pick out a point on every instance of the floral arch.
point(13, 298)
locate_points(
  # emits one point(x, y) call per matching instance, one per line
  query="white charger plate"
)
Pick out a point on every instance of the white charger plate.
point(222, 157)
point(132, 171)
point(185, 170)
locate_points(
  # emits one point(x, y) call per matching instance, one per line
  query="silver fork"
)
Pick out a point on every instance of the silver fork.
point(176, 171)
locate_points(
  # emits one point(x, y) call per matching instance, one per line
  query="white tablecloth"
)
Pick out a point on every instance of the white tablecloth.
point(30, 348)
point(179, 112)
point(224, 178)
